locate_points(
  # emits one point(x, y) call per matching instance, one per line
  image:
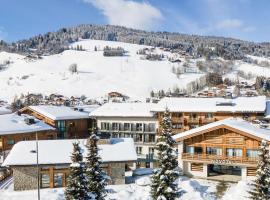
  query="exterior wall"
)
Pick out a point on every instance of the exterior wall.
point(116, 171)
point(25, 178)
point(184, 120)
point(187, 170)
point(75, 128)
point(17, 137)
point(144, 145)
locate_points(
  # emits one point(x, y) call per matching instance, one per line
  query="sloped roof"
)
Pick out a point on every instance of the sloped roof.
point(59, 151)
point(124, 110)
point(240, 104)
point(235, 123)
point(59, 112)
point(13, 124)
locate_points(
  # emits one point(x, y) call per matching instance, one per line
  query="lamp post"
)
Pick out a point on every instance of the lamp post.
point(37, 165)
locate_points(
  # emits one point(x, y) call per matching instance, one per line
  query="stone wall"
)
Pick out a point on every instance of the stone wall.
point(117, 173)
point(25, 178)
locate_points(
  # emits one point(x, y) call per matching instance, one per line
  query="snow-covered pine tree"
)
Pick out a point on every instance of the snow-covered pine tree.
point(97, 178)
point(164, 186)
point(260, 186)
point(76, 182)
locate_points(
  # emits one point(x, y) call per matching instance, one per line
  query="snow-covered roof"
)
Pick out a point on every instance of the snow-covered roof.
point(59, 151)
point(4, 110)
point(240, 104)
point(267, 113)
point(124, 110)
point(13, 124)
point(236, 123)
point(59, 112)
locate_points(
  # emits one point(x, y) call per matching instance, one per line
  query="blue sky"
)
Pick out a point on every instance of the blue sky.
point(244, 19)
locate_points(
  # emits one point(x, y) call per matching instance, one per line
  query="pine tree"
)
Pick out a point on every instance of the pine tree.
point(260, 186)
point(164, 186)
point(97, 178)
point(76, 182)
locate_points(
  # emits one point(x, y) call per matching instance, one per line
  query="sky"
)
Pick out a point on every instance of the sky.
point(243, 19)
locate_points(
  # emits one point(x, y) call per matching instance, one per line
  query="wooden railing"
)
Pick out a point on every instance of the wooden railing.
point(220, 159)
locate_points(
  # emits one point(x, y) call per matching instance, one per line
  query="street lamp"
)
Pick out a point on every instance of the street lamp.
point(37, 164)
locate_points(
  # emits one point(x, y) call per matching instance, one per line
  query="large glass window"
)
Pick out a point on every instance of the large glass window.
point(45, 180)
point(105, 126)
point(152, 127)
point(61, 125)
point(138, 126)
point(115, 126)
point(252, 153)
point(139, 150)
point(58, 179)
point(234, 152)
point(152, 138)
point(10, 142)
point(214, 151)
point(189, 149)
point(126, 126)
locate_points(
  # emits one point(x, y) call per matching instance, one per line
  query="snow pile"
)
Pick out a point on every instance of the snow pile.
point(143, 181)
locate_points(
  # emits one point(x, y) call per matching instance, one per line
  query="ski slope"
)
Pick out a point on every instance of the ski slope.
point(97, 75)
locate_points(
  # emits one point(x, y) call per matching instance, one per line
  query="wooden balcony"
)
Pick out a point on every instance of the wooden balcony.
point(219, 159)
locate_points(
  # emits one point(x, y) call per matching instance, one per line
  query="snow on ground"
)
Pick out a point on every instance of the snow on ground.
point(97, 75)
point(237, 191)
point(253, 69)
point(192, 189)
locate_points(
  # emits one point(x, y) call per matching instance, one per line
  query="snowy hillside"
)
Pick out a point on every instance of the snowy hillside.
point(97, 75)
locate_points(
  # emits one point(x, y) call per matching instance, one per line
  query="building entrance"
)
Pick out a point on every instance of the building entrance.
point(215, 170)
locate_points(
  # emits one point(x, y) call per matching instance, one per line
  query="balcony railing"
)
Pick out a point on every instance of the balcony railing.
point(220, 159)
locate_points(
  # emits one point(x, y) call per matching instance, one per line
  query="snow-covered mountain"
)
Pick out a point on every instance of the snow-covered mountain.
point(97, 75)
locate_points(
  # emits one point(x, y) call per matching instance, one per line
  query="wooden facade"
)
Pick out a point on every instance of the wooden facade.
point(66, 129)
point(8, 140)
point(221, 145)
point(185, 121)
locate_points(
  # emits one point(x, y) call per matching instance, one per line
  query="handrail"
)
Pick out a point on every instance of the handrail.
point(211, 157)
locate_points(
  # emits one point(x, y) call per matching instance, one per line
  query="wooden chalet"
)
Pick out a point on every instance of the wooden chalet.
point(69, 122)
point(16, 128)
point(226, 147)
point(188, 113)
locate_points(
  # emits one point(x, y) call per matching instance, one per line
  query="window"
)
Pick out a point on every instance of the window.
point(152, 127)
point(252, 153)
point(176, 125)
point(214, 151)
point(114, 126)
point(138, 126)
point(209, 115)
point(61, 125)
point(126, 126)
point(105, 126)
point(234, 152)
point(139, 137)
point(10, 142)
point(58, 179)
point(193, 115)
point(139, 150)
point(151, 150)
point(189, 149)
point(45, 180)
point(152, 138)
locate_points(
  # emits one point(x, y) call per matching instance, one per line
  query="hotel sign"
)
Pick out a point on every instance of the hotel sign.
point(221, 161)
